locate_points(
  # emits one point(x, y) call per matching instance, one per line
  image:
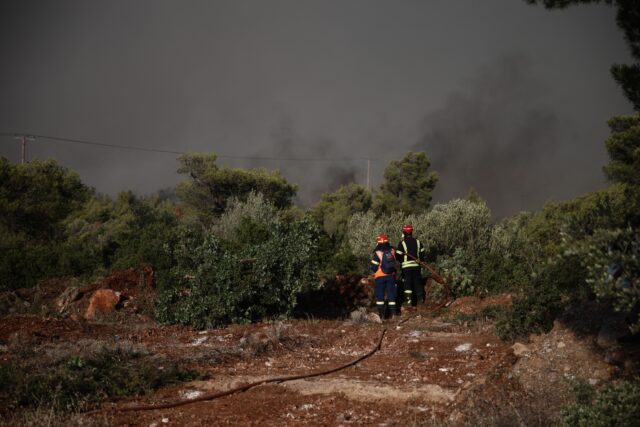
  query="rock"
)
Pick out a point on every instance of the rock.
point(374, 318)
point(358, 316)
point(66, 297)
point(464, 347)
point(520, 349)
point(102, 301)
point(191, 394)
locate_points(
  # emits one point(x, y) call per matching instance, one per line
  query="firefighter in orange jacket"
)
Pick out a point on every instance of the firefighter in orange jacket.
point(384, 269)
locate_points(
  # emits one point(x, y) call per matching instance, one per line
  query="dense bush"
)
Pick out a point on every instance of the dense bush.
point(456, 224)
point(118, 233)
point(24, 261)
point(573, 246)
point(456, 270)
point(613, 405)
point(213, 283)
point(52, 225)
point(254, 209)
point(407, 185)
point(335, 209)
point(532, 313)
point(459, 232)
point(550, 292)
point(610, 259)
point(474, 255)
point(210, 187)
point(511, 257)
point(623, 147)
point(363, 229)
point(335, 257)
point(35, 199)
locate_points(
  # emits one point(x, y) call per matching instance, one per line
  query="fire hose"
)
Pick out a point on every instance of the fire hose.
point(438, 278)
point(242, 388)
point(245, 387)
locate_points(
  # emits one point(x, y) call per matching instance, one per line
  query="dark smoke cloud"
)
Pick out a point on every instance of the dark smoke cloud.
point(321, 79)
point(316, 176)
point(498, 135)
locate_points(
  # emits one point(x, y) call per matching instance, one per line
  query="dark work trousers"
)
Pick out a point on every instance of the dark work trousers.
point(386, 284)
point(413, 290)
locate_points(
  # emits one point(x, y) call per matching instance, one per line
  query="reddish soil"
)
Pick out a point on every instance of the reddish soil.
point(469, 305)
point(427, 368)
point(416, 374)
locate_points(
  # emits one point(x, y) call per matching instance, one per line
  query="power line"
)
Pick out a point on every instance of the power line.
point(157, 150)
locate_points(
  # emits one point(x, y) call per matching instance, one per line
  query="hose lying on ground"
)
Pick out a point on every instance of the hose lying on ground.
point(216, 395)
point(245, 387)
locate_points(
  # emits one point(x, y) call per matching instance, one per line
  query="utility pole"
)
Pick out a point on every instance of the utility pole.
point(368, 173)
point(24, 139)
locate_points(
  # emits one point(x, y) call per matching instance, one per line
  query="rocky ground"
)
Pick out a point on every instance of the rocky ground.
point(431, 367)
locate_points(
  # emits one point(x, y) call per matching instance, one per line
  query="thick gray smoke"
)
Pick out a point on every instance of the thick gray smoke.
point(351, 78)
point(313, 177)
point(497, 135)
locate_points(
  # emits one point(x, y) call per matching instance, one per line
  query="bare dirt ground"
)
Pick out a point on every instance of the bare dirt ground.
point(430, 369)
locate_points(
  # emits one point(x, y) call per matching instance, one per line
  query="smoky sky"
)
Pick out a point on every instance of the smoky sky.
point(498, 135)
point(504, 97)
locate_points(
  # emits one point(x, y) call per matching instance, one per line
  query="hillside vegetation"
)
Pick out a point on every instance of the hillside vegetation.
point(229, 247)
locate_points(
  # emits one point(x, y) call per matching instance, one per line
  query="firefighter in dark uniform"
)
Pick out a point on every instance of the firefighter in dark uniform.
point(408, 251)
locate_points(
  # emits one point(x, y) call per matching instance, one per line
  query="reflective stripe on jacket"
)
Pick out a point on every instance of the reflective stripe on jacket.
point(405, 259)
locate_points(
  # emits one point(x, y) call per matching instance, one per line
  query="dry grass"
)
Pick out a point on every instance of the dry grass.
point(43, 417)
point(89, 348)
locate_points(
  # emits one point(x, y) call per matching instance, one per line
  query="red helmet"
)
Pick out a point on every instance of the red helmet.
point(382, 238)
point(407, 229)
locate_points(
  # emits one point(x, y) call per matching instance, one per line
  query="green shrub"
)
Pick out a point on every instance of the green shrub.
point(35, 200)
point(78, 381)
point(545, 297)
point(610, 258)
point(456, 269)
point(336, 257)
point(456, 224)
point(25, 261)
point(363, 229)
point(333, 211)
point(213, 282)
point(255, 209)
point(511, 258)
point(210, 187)
point(613, 405)
point(118, 234)
point(478, 256)
point(475, 255)
point(570, 247)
